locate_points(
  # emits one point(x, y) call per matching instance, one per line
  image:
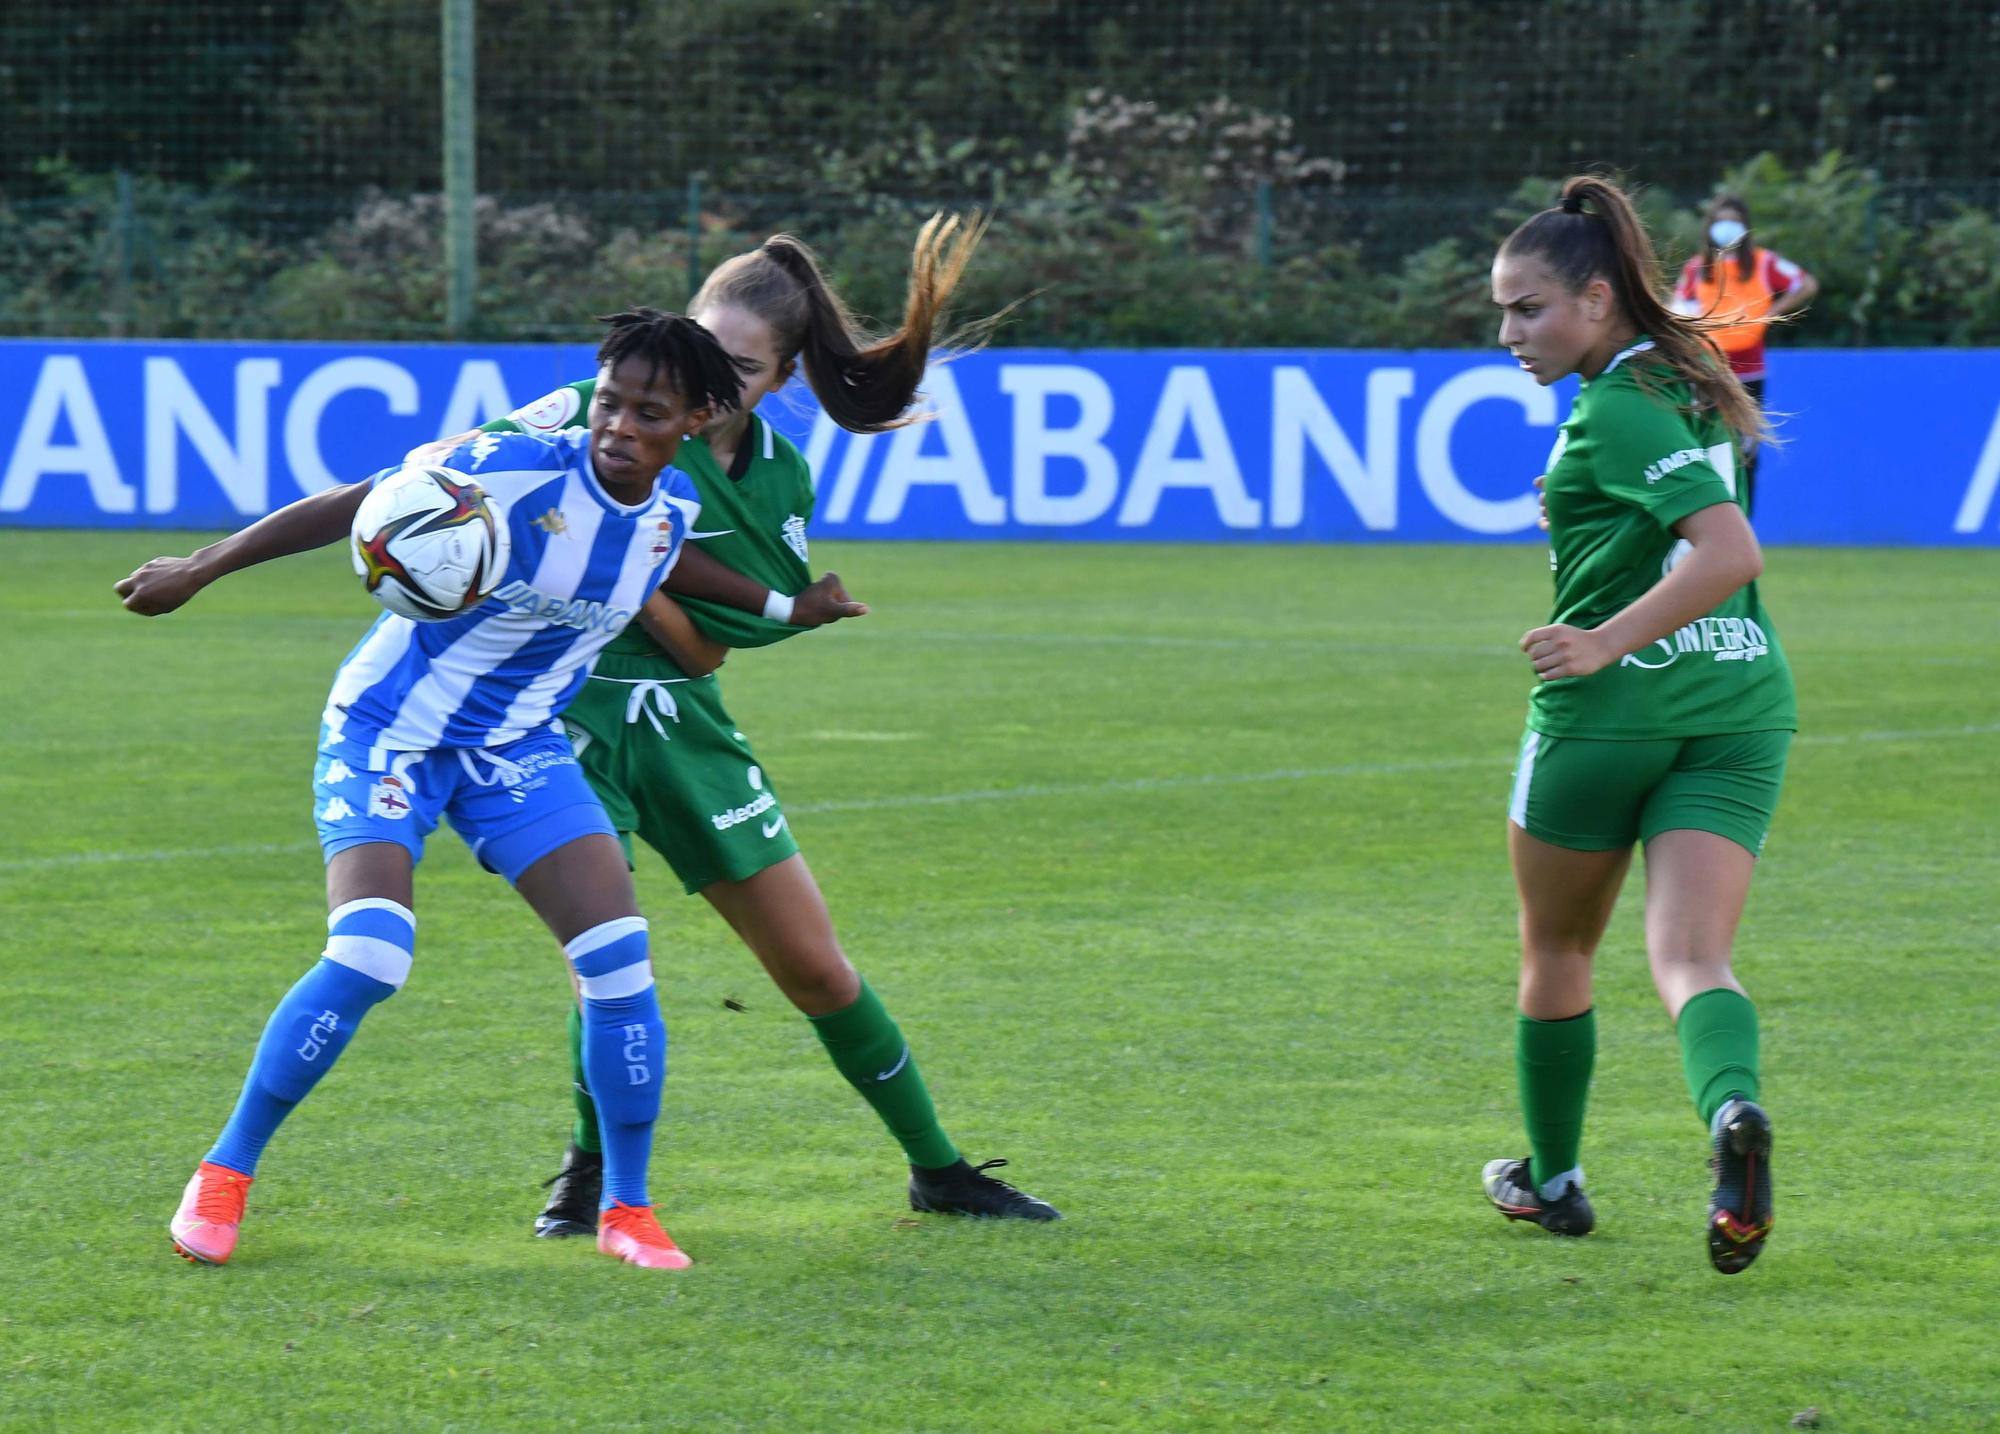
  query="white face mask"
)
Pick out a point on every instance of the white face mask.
point(1727, 233)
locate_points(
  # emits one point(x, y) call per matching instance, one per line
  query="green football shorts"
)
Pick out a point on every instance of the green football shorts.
point(1591, 795)
point(672, 769)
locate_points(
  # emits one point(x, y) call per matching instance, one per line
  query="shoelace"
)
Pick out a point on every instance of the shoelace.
point(563, 1174)
point(221, 1200)
point(984, 1166)
point(639, 1222)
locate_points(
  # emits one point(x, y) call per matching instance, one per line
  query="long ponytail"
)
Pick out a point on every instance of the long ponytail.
point(1594, 232)
point(865, 384)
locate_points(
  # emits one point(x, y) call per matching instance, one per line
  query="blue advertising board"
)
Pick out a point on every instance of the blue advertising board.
point(1319, 446)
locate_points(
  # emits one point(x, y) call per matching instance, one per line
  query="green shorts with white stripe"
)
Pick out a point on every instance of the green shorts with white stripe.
point(1592, 795)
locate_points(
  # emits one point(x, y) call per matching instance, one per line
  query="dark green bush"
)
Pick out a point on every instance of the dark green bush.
point(1206, 228)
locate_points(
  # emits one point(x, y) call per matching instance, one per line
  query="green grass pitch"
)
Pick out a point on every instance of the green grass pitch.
point(1183, 869)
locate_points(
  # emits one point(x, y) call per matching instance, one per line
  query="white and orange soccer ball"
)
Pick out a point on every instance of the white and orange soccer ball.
point(429, 543)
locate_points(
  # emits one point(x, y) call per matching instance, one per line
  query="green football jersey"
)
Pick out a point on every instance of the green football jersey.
point(753, 518)
point(1630, 462)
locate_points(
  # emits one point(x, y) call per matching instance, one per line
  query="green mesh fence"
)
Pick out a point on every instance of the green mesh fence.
point(1186, 171)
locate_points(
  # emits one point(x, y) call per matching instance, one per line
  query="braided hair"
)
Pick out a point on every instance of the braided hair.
point(701, 370)
point(1593, 232)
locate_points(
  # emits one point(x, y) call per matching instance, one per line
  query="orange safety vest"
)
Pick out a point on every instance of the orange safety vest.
point(1744, 304)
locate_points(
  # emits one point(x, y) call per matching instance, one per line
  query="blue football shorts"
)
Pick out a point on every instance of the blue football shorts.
point(512, 804)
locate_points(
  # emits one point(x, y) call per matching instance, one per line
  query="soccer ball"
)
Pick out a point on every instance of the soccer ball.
point(429, 543)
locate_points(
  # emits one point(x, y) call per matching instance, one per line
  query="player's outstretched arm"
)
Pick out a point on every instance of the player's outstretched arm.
point(667, 623)
point(697, 575)
point(436, 451)
point(164, 584)
point(825, 600)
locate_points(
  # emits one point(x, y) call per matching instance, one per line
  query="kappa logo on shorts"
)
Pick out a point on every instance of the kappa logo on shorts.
point(336, 771)
point(337, 810)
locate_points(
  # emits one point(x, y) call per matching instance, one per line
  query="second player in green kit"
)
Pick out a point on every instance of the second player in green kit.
point(1662, 716)
point(671, 766)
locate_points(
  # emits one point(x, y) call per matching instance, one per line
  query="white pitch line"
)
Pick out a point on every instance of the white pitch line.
point(194, 853)
point(1022, 793)
point(1841, 739)
point(1166, 640)
point(1147, 784)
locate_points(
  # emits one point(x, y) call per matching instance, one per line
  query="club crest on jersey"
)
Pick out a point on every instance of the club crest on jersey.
point(663, 540)
point(794, 533)
point(388, 799)
point(553, 522)
point(548, 413)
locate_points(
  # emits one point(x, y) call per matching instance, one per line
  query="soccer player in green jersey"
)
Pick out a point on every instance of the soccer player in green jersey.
point(663, 754)
point(1663, 710)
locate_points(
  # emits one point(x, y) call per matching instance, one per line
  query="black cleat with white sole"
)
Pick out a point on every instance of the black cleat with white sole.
point(964, 1189)
point(572, 1207)
point(1739, 1212)
point(1511, 1187)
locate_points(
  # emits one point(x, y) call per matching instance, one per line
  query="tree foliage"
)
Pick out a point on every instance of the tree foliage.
point(1223, 171)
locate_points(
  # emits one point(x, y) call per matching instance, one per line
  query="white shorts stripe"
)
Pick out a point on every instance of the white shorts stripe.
point(384, 960)
point(371, 903)
point(615, 985)
point(1524, 772)
point(598, 937)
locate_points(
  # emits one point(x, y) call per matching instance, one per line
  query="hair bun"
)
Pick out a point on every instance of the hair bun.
point(1570, 203)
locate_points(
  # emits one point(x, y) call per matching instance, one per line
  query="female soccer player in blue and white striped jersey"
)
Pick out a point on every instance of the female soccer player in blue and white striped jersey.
point(456, 719)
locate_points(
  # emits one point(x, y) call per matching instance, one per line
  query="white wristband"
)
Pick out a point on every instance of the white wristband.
point(778, 606)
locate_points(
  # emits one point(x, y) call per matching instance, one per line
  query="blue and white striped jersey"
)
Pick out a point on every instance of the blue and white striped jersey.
point(581, 565)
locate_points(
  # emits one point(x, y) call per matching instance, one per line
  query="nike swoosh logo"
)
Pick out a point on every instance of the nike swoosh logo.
point(905, 1060)
point(771, 829)
point(695, 535)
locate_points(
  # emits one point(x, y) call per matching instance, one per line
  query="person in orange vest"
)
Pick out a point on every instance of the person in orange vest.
point(1746, 287)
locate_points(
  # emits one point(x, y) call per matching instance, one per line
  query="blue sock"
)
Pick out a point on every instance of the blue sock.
point(367, 959)
point(624, 1049)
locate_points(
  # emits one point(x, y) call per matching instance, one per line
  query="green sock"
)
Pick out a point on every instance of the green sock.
point(1553, 1060)
point(1718, 1031)
point(870, 1051)
point(584, 1133)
